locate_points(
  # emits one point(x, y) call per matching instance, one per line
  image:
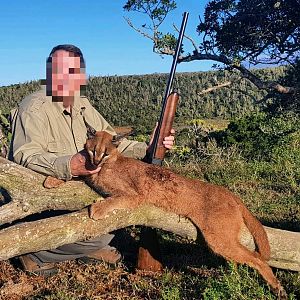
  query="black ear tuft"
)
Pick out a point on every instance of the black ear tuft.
point(116, 140)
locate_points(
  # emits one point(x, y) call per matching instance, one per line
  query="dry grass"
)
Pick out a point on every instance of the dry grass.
point(77, 281)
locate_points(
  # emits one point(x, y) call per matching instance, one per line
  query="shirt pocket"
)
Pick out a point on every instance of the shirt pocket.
point(56, 147)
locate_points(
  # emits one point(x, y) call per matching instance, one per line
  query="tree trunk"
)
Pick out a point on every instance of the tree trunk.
point(27, 196)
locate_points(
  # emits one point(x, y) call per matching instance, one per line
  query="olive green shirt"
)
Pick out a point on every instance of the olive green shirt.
point(45, 136)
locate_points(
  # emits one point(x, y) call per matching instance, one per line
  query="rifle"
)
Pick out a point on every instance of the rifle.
point(149, 253)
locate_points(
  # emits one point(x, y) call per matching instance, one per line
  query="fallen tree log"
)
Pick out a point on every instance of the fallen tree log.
point(28, 196)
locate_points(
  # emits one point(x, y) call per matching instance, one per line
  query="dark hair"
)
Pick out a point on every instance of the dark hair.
point(70, 48)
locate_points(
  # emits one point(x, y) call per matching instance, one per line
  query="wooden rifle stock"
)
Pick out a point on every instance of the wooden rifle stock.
point(166, 125)
point(149, 257)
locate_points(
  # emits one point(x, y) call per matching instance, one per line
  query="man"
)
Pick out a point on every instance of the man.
point(49, 133)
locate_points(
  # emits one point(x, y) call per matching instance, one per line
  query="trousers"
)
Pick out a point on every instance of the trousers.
point(71, 251)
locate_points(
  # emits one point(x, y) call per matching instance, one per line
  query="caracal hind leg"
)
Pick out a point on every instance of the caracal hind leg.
point(231, 249)
point(222, 235)
point(103, 208)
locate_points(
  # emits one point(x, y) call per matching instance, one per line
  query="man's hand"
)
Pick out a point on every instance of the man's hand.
point(81, 166)
point(168, 141)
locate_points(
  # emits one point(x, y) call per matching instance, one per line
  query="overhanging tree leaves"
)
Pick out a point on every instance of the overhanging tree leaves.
point(235, 34)
point(257, 31)
point(157, 12)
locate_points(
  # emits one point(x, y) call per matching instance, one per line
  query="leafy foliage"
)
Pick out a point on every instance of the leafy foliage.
point(5, 135)
point(136, 100)
point(239, 34)
point(261, 135)
point(156, 11)
point(259, 31)
point(289, 102)
point(13, 94)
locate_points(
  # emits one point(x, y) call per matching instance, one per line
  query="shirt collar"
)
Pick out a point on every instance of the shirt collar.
point(76, 109)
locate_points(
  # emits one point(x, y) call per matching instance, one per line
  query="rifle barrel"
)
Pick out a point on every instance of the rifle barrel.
point(168, 90)
point(176, 55)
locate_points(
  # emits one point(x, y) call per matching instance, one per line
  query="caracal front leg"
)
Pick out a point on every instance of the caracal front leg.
point(103, 208)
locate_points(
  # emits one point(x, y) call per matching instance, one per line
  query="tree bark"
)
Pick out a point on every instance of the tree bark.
point(258, 82)
point(29, 197)
point(216, 87)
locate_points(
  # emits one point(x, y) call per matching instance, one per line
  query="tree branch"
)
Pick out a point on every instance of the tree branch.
point(52, 232)
point(25, 186)
point(56, 231)
point(188, 38)
point(265, 85)
point(213, 88)
point(143, 33)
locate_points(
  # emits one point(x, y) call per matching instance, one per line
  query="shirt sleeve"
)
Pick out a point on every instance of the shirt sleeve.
point(133, 149)
point(127, 147)
point(30, 146)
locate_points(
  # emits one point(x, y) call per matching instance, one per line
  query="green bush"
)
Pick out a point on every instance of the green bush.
point(260, 136)
point(5, 135)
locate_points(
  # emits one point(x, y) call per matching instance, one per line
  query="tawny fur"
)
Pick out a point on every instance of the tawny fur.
point(217, 212)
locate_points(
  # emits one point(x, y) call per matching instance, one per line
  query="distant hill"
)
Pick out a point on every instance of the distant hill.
point(136, 99)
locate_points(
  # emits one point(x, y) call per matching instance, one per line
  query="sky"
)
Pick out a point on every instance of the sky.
point(30, 29)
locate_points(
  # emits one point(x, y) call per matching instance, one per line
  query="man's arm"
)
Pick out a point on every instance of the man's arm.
point(30, 146)
point(127, 147)
point(30, 149)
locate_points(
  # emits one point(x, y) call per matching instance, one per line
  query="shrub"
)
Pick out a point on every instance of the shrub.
point(260, 136)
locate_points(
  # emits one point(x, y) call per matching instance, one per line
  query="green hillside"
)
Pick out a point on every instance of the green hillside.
point(136, 99)
point(256, 155)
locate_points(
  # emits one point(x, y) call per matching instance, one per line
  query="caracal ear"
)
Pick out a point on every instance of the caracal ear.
point(122, 132)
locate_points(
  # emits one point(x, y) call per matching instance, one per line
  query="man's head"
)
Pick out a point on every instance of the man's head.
point(65, 73)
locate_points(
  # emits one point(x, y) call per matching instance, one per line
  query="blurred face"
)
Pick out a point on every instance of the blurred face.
point(67, 77)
